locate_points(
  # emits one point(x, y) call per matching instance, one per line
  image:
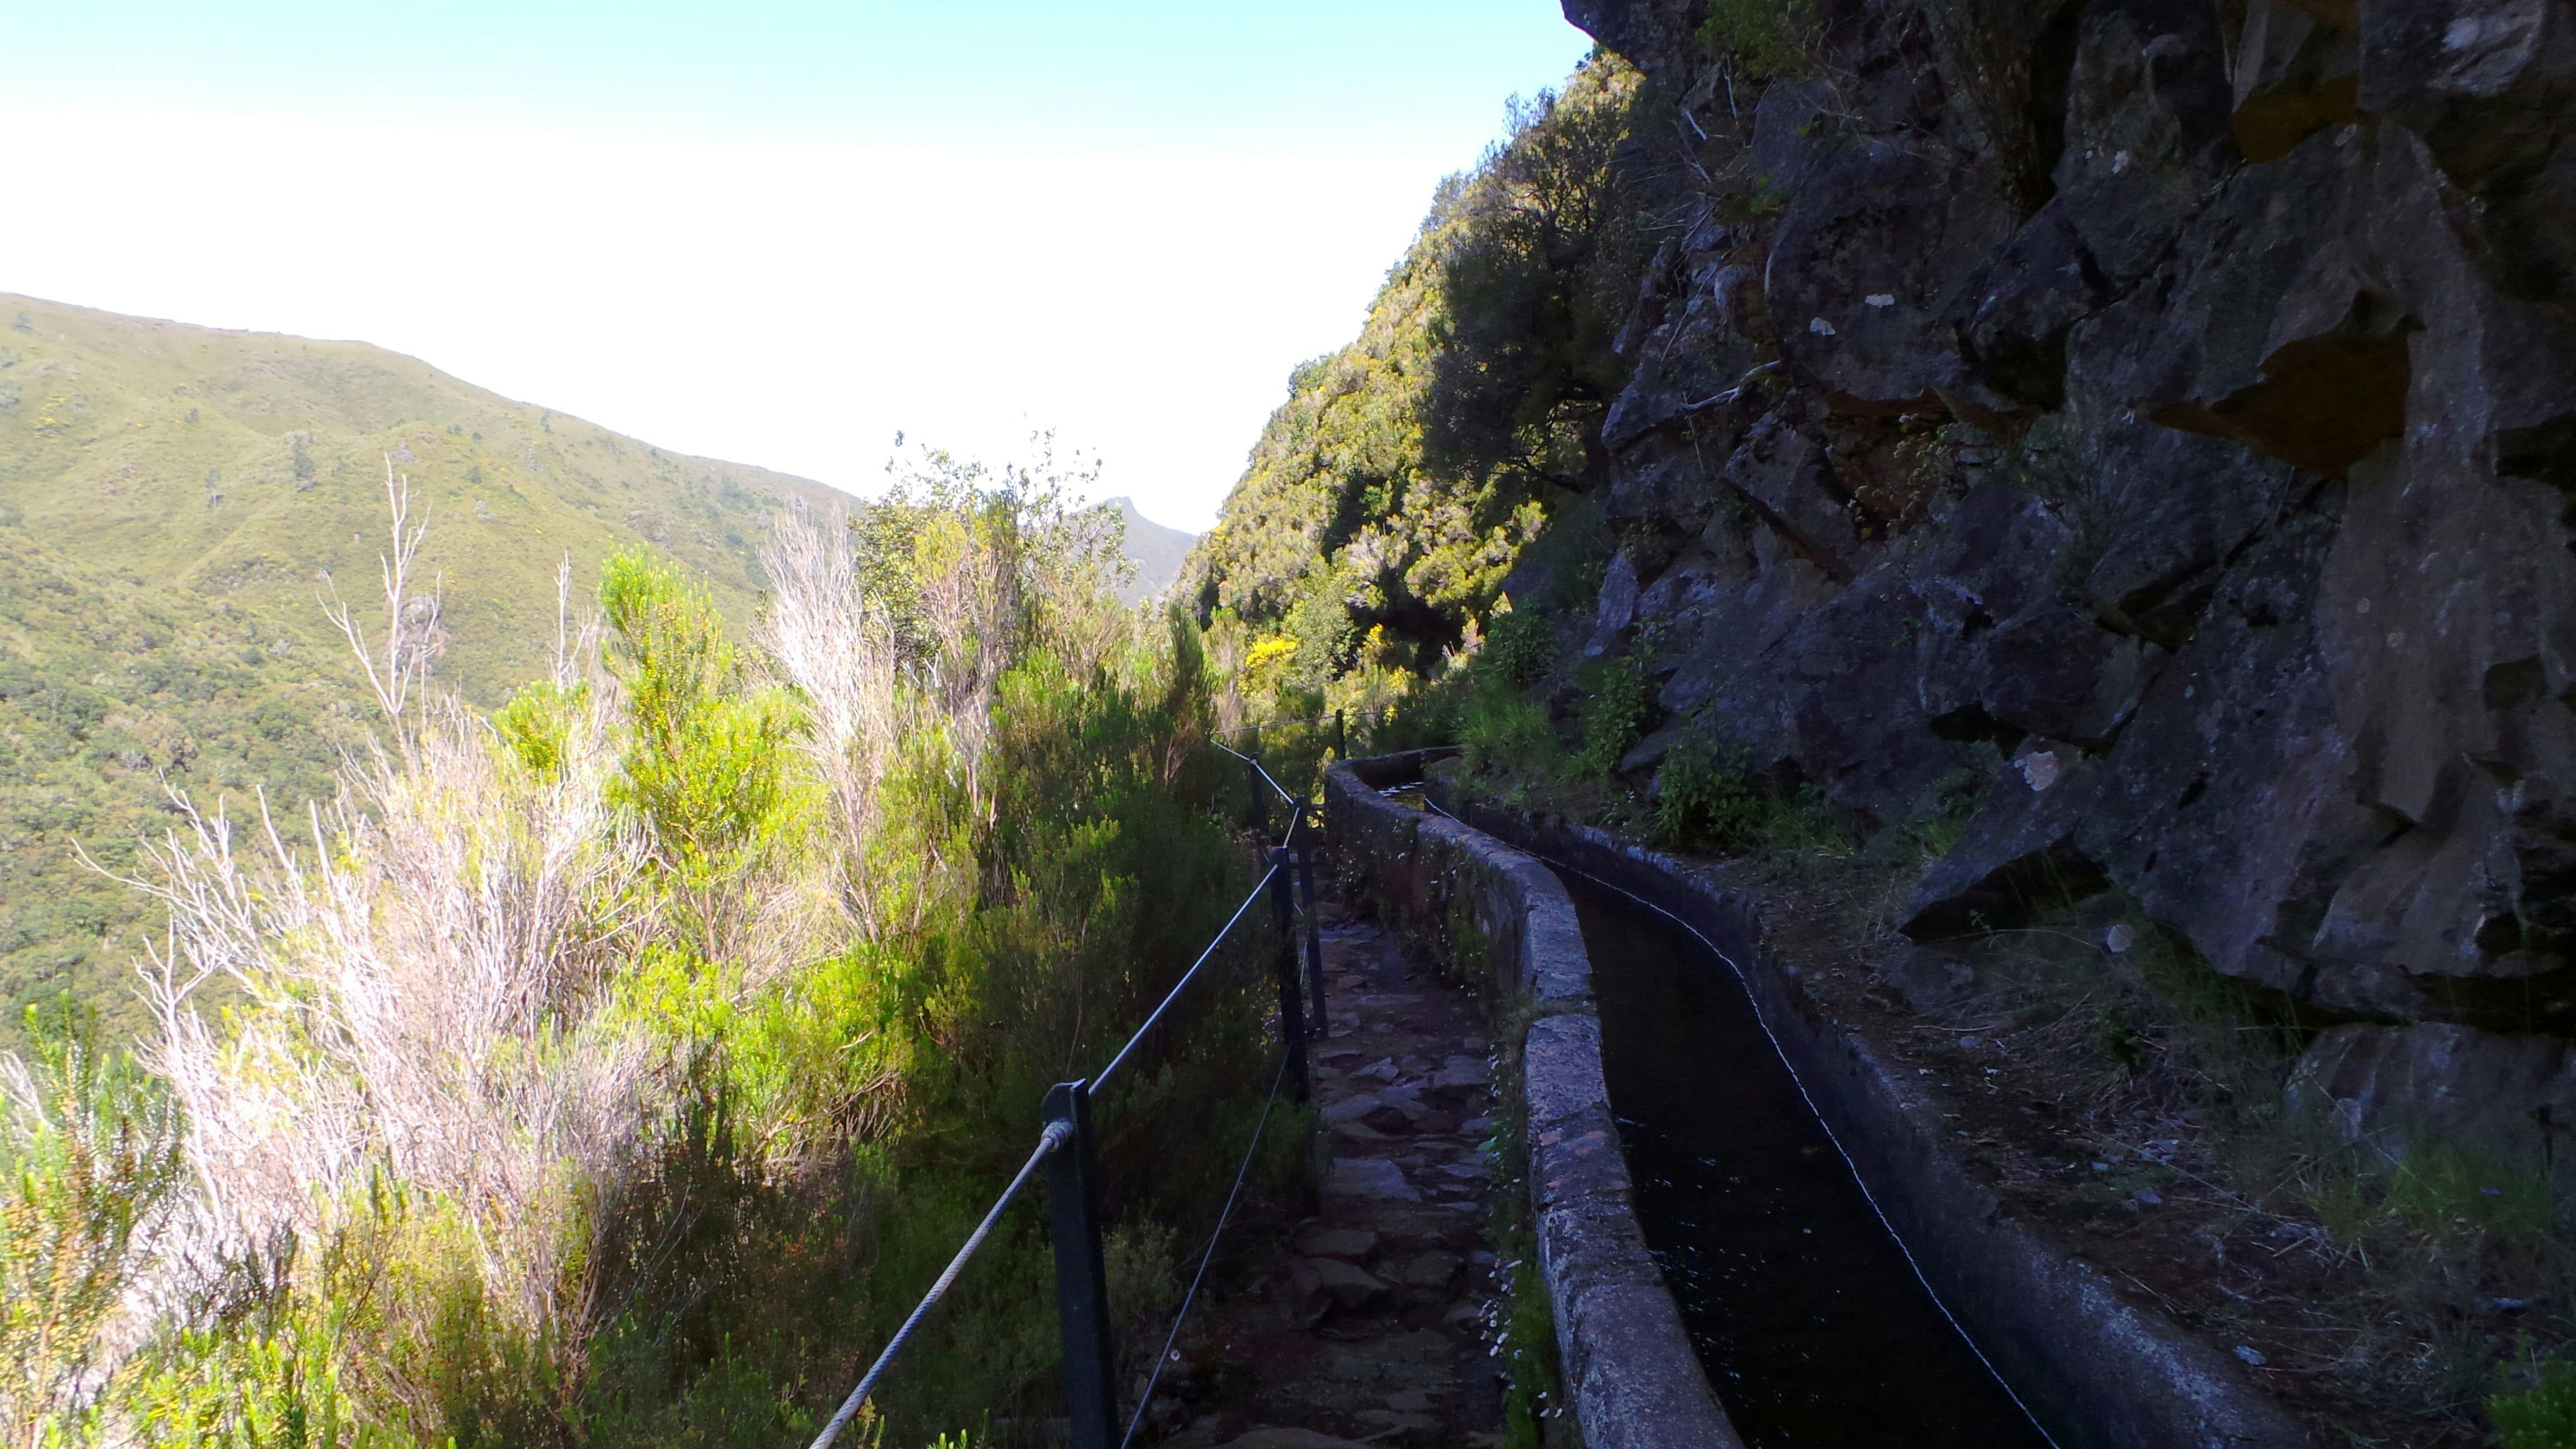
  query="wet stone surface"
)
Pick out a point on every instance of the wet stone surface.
point(1362, 1322)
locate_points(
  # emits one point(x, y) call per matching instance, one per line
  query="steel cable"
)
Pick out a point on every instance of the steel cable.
point(1293, 801)
point(1146, 1400)
point(1056, 1135)
point(1181, 985)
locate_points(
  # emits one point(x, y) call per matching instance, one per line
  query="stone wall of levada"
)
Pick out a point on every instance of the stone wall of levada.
point(1630, 1373)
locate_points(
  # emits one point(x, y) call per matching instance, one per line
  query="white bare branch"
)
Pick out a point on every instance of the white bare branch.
point(822, 637)
point(397, 672)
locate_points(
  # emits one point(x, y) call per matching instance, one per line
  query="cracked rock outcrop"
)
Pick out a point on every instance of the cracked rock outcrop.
point(2185, 481)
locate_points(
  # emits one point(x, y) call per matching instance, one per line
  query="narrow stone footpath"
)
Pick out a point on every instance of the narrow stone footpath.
point(1364, 1324)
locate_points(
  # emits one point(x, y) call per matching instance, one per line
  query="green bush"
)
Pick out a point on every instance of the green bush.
point(706, 760)
point(277, 1387)
point(1616, 709)
point(89, 1158)
point(1761, 39)
point(537, 725)
point(1506, 734)
point(1519, 649)
point(2542, 1417)
point(1705, 796)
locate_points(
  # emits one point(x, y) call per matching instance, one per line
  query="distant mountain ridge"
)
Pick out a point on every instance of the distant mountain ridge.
point(173, 502)
point(1157, 551)
point(241, 465)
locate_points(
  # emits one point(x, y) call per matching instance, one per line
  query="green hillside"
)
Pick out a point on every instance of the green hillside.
point(1391, 496)
point(174, 499)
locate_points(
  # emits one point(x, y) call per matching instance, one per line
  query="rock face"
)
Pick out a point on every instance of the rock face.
point(2381, 1086)
point(2187, 501)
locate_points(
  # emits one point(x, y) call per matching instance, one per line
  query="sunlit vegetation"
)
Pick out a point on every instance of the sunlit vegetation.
point(1390, 497)
point(174, 499)
point(618, 1066)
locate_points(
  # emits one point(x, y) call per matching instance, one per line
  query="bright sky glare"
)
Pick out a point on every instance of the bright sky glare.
point(775, 232)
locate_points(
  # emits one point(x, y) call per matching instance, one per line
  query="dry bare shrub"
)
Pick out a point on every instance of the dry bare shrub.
point(397, 666)
point(825, 640)
point(422, 997)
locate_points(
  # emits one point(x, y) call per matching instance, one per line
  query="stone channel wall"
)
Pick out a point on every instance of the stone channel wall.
point(1631, 1375)
point(2100, 1372)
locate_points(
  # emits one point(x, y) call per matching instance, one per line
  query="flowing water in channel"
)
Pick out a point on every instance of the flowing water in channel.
point(1815, 1331)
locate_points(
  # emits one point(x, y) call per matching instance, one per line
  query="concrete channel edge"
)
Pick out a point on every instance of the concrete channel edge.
point(2101, 1372)
point(1631, 1375)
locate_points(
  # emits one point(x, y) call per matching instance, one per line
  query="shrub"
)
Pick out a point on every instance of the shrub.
point(537, 725)
point(91, 1152)
point(1519, 648)
point(1617, 708)
point(1505, 734)
point(706, 755)
point(2542, 1417)
point(1991, 53)
point(1761, 39)
point(1705, 796)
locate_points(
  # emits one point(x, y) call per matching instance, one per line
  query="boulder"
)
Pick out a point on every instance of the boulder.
point(2388, 1090)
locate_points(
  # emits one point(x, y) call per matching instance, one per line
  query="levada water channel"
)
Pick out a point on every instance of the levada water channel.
point(1816, 1332)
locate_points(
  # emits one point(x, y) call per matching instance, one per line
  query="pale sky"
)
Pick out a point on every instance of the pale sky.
point(774, 232)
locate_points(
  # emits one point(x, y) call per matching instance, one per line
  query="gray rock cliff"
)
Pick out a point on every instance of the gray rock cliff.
point(2166, 440)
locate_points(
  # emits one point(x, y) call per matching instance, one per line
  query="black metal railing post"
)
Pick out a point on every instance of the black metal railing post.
point(1258, 790)
point(1081, 1280)
point(1292, 1007)
point(1308, 840)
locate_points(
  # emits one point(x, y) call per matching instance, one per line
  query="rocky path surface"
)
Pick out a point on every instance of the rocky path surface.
point(1364, 1325)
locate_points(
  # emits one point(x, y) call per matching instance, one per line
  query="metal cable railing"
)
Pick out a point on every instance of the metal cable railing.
point(1138, 1039)
point(1048, 1142)
point(1065, 1148)
point(1339, 719)
point(1281, 790)
point(1224, 1215)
